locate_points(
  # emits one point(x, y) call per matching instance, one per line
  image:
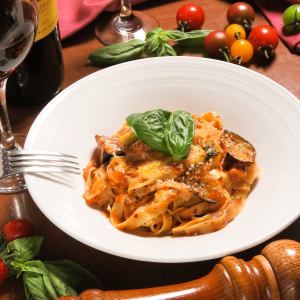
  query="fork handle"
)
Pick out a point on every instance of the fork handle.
point(273, 275)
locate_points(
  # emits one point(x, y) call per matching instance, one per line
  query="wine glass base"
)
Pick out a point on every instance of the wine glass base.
point(12, 184)
point(109, 32)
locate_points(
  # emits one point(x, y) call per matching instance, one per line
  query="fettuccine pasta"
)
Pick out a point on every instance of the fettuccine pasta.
point(146, 192)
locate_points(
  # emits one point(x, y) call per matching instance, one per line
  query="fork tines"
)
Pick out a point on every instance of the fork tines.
point(41, 161)
point(17, 153)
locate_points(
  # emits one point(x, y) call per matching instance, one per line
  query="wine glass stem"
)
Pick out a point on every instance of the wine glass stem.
point(126, 11)
point(7, 139)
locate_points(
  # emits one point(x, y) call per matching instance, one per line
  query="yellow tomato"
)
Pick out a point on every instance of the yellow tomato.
point(242, 49)
point(234, 32)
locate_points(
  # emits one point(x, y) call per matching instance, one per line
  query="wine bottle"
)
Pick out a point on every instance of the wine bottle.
point(39, 78)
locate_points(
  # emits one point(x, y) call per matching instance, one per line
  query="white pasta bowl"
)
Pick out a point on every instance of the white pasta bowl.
point(251, 105)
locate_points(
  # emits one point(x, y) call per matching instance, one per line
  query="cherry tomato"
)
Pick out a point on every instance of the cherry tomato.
point(291, 19)
point(241, 49)
point(264, 40)
point(216, 44)
point(235, 32)
point(3, 271)
point(16, 229)
point(190, 17)
point(241, 13)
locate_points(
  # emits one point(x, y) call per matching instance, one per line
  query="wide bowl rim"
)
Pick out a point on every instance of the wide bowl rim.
point(104, 72)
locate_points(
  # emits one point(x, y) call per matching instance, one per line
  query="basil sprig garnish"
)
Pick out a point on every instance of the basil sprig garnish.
point(168, 132)
point(46, 280)
point(149, 127)
point(158, 42)
point(179, 134)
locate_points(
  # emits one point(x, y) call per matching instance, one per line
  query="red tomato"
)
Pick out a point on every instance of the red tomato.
point(241, 13)
point(190, 17)
point(216, 44)
point(16, 229)
point(3, 271)
point(264, 38)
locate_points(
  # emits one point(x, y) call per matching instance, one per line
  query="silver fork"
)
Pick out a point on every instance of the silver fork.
point(28, 161)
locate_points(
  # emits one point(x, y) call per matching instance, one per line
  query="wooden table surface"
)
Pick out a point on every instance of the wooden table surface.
point(115, 272)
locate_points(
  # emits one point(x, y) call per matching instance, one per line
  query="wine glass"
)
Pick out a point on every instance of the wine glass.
point(18, 22)
point(124, 26)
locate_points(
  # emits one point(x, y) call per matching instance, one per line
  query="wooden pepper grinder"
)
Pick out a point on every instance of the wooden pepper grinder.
point(275, 274)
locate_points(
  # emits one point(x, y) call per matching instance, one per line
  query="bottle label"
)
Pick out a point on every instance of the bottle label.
point(48, 18)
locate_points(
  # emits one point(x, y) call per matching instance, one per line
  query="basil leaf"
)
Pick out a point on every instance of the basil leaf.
point(33, 266)
point(117, 53)
point(193, 39)
point(25, 248)
point(179, 134)
point(149, 127)
point(53, 279)
point(163, 131)
point(37, 283)
point(166, 50)
point(156, 43)
point(157, 34)
point(69, 278)
point(191, 35)
point(176, 35)
point(38, 287)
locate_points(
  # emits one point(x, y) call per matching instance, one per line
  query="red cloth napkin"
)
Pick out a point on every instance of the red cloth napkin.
point(273, 11)
point(75, 14)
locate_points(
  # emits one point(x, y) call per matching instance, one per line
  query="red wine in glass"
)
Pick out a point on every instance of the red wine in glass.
point(18, 21)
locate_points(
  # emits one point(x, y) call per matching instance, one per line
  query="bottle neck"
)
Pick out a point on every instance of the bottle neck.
point(47, 18)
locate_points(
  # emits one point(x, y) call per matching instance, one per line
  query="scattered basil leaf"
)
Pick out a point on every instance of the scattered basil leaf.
point(49, 280)
point(157, 35)
point(117, 53)
point(166, 50)
point(149, 128)
point(192, 40)
point(26, 248)
point(175, 35)
point(69, 278)
point(32, 266)
point(38, 287)
point(156, 43)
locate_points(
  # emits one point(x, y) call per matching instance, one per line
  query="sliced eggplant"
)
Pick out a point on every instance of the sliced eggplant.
point(105, 157)
point(237, 147)
point(107, 148)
